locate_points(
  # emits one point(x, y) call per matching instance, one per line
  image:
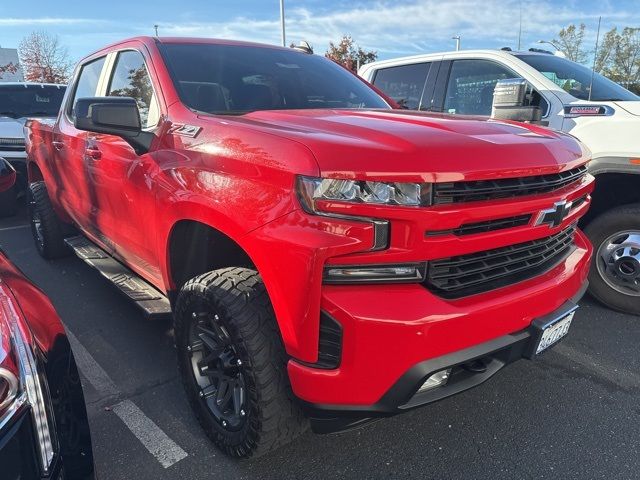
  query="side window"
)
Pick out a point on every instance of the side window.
point(87, 82)
point(130, 78)
point(471, 84)
point(403, 83)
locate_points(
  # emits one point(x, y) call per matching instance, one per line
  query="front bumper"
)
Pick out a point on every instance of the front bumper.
point(394, 336)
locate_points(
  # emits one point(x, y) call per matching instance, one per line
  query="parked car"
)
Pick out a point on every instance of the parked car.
point(600, 113)
point(18, 101)
point(44, 432)
point(321, 253)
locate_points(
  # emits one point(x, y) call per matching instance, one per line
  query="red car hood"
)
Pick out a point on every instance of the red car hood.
point(414, 146)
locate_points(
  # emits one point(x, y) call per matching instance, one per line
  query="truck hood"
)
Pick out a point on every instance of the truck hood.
point(631, 107)
point(11, 127)
point(413, 146)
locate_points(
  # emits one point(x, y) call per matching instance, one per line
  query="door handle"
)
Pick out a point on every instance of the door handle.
point(93, 153)
point(58, 145)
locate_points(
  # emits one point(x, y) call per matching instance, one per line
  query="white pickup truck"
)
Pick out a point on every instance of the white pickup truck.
point(602, 114)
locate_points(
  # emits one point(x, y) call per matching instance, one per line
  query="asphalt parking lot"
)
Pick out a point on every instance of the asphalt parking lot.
point(574, 413)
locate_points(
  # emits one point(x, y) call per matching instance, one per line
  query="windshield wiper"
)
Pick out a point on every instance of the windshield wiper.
point(9, 114)
point(48, 114)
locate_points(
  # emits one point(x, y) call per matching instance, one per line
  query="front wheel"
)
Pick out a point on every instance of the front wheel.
point(614, 278)
point(233, 363)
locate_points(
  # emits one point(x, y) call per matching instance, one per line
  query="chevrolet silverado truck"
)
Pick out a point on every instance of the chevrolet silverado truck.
point(603, 115)
point(327, 259)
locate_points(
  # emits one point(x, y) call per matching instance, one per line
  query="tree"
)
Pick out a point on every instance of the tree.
point(569, 42)
point(43, 59)
point(8, 68)
point(348, 54)
point(618, 57)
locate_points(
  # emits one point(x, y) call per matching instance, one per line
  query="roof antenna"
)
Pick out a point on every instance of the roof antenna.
point(595, 56)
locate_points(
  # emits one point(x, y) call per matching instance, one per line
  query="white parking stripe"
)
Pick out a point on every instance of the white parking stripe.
point(166, 451)
point(92, 371)
point(620, 376)
point(17, 227)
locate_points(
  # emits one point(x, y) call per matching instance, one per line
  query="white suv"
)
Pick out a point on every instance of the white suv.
point(602, 114)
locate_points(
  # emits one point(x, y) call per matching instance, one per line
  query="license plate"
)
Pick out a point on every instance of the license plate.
point(553, 333)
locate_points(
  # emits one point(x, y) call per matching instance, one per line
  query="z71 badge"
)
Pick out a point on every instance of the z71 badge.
point(185, 130)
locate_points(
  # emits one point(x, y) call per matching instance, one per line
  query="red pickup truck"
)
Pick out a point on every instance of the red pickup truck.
point(324, 256)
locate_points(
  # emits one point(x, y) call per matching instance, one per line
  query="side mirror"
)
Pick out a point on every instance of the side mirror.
point(114, 116)
point(509, 102)
point(7, 175)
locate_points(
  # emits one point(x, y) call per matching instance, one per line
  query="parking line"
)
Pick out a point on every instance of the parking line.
point(166, 451)
point(158, 443)
point(17, 227)
point(92, 371)
point(620, 376)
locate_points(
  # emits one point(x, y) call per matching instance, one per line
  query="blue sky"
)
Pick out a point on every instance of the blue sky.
point(393, 28)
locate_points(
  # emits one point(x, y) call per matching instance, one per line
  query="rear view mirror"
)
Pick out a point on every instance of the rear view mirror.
point(114, 116)
point(509, 102)
point(7, 175)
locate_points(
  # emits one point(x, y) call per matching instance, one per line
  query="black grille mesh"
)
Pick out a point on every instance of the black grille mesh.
point(464, 275)
point(455, 192)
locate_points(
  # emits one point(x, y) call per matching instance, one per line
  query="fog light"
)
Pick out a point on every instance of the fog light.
point(438, 379)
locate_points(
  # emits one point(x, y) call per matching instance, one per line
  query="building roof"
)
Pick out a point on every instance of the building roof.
point(7, 56)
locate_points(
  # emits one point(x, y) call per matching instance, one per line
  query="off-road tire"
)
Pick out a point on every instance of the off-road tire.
point(238, 298)
point(50, 238)
point(9, 202)
point(620, 219)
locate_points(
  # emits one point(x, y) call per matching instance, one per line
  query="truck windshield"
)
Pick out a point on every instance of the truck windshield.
point(236, 79)
point(18, 101)
point(575, 79)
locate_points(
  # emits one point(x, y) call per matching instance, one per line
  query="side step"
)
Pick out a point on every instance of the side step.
point(153, 303)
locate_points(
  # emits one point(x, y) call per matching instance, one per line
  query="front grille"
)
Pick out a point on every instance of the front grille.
point(11, 144)
point(456, 192)
point(485, 226)
point(456, 277)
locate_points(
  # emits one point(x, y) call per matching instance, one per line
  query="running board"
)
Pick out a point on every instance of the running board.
point(153, 303)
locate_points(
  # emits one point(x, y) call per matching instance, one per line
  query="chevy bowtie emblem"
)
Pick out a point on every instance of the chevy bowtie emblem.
point(554, 216)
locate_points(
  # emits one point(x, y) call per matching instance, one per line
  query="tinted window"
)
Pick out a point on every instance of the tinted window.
point(88, 80)
point(131, 79)
point(576, 79)
point(239, 79)
point(471, 84)
point(30, 100)
point(403, 83)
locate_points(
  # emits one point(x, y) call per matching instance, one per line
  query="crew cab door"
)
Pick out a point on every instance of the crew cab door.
point(73, 186)
point(122, 178)
point(411, 85)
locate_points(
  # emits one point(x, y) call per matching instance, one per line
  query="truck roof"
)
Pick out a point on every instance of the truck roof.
point(149, 40)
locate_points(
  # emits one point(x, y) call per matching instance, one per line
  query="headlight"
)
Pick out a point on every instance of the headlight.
point(311, 189)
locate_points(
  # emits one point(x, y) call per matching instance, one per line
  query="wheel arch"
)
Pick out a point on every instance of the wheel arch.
point(612, 189)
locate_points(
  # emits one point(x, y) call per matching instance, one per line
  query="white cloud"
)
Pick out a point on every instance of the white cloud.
point(416, 26)
point(45, 21)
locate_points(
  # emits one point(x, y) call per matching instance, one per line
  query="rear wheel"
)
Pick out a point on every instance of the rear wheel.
point(9, 202)
point(614, 278)
point(233, 363)
point(46, 227)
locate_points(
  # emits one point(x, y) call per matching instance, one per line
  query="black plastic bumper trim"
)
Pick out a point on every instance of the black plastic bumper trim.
point(402, 396)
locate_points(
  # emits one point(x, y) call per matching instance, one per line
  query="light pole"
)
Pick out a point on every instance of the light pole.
point(550, 43)
point(457, 39)
point(284, 39)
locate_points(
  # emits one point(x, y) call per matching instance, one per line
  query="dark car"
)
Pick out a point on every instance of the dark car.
point(44, 432)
